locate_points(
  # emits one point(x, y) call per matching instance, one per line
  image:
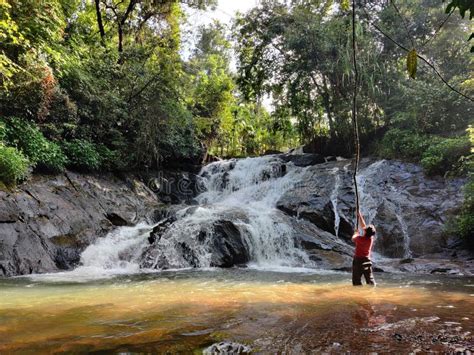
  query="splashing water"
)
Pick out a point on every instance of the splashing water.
point(246, 192)
point(334, 195)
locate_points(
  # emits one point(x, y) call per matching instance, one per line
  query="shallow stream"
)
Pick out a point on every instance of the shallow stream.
point(285, 310)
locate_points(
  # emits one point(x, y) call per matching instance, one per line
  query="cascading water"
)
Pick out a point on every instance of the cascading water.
point(239, 203)
point(244, 192)
point(334, 195)
point(372, 196)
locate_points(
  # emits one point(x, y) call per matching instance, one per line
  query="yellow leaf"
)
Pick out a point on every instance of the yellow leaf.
point(412, 63)
point(345, 5)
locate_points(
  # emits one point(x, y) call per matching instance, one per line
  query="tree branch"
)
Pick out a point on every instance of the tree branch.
point(422, 58)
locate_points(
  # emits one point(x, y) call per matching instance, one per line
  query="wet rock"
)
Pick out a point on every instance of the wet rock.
point(221, 241)
point(173, 186)
point(227, 347)
point(302, 160)
point(160, 228)
point(52, 219)
point(118, 220)
point(397, 197)
point(228, 247)
point(324, 249)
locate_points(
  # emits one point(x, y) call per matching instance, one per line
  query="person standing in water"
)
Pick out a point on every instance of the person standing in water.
point(362, 265)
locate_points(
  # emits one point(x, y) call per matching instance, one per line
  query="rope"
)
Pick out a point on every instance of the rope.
point(355, 124)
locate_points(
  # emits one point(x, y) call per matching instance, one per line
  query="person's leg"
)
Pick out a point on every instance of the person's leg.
point(356, 272)
point(368, 272)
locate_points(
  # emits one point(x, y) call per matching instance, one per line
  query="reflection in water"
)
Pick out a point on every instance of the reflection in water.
point(189, 310)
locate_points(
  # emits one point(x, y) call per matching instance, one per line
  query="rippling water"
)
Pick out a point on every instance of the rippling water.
point(271, 311)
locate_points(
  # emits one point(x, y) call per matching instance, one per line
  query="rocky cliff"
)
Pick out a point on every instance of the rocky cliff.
point(47, 222)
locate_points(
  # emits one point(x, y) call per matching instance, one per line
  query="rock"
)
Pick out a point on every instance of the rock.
point(302, 160)
point(396, 197)
point(228, 246)
point(221, 241)
point(226, 347)
point(49, 220)
point(324, 249)
point(173, 187)
point(160, 228)
point(118, 220)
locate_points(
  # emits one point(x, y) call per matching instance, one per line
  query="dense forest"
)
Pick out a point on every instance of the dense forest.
point(106, 85)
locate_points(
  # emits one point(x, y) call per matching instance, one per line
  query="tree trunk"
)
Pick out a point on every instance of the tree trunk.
point(99, 22)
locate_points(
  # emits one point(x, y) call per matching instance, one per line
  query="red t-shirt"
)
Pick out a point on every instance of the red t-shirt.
point(363, 246)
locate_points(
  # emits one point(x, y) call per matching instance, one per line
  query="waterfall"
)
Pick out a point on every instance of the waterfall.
point(370, 198)
point(372, 192)
point(334, 195)
point(240, 197)
point(246, 192)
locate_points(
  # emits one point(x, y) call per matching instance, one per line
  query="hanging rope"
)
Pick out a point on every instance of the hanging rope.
point(355, 125)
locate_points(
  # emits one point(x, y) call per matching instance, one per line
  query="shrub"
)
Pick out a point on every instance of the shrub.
point(446, 155)
point(3, 131)
point(404, 144)
point(82, 155)
point(13, 165)
point(43, 154)
point(437, 155)
point(465, 221)
point(110, 159)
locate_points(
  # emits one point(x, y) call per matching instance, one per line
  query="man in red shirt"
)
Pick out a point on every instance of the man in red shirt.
point(362, 265)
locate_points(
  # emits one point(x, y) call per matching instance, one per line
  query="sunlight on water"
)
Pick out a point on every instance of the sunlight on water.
point(270, 311)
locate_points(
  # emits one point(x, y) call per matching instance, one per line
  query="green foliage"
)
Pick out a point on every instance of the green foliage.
point(82, 155)
point(445, 155)
point(13, 165)
point(438, 155)
point(110, 160)
point(403, 144)
point(464, 223)
point(463, 6)
point(44, 155)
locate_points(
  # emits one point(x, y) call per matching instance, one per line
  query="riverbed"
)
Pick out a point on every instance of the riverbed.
point(283, 310)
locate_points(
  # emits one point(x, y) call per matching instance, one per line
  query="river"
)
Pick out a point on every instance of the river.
point(271, 311)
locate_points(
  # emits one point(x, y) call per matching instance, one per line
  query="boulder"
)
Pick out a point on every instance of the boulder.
point(302, 160)
point(47, 222)
point(217, 243)
point(397, 197)
point(228, 248)
point(227, 347)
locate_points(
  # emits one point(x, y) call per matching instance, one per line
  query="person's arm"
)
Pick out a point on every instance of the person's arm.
point(362, 220)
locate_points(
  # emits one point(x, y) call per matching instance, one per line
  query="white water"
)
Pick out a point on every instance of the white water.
point(334, 195)
point(371, 198)
point(245, 192)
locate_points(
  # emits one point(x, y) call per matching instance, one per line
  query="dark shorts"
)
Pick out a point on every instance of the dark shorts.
point(362, 266)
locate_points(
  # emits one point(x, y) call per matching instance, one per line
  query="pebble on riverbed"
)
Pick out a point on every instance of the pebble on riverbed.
point(226, 347)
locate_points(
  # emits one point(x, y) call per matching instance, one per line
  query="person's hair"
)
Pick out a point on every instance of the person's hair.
point(370, 230)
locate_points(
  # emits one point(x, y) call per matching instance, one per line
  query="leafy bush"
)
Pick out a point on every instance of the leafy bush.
point(3, 131)
point(44, 155)
point(464, 224)
point(445, 155)
point(82, 155)
point(404, 144)
point(110, 159)
point(13, 165)
point(437, 155)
